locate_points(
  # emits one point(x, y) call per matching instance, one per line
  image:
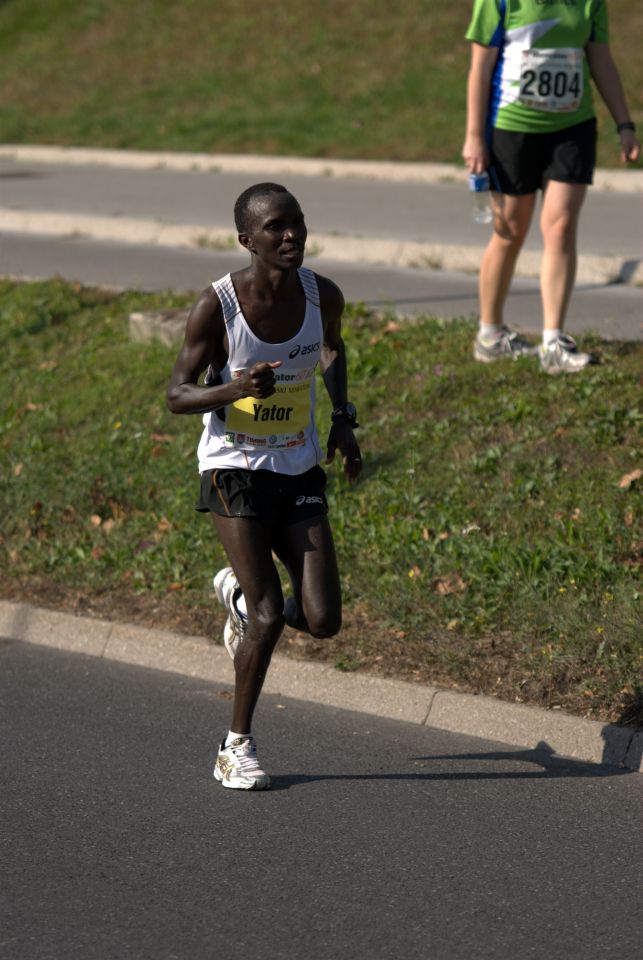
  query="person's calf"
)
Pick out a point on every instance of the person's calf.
point(293, 615)
point(321, 624)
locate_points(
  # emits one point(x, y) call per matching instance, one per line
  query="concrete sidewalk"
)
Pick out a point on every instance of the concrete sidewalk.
point(477, 716)
point(443, 249)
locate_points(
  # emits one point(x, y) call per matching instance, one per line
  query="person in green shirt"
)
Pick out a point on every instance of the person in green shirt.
point(531, 124)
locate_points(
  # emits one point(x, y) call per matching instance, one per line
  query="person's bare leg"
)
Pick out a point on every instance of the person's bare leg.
point(307, 551)
point(512, 217)
point(249, 548)
point(562, 203)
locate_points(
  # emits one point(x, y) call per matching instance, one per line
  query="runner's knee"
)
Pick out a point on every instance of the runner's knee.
point(325, 624)
point(560, 228)
point(509, 231)
point(266, 620)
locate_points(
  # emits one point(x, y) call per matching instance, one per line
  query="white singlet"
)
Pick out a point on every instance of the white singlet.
point(277, 433)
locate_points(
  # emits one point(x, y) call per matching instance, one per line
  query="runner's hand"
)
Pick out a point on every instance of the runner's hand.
point(475, 154)
point(630, 147)
point(342, 438)
point(259, 380)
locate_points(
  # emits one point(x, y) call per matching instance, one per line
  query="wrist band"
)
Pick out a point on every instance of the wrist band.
point(628, 125)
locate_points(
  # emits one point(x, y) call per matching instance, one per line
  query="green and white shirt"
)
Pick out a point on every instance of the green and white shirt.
point(541, 81)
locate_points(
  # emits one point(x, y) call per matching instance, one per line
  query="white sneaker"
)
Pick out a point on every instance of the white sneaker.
point(562, 356)
point(237, 766)
point(506, 346)
point(228, 591)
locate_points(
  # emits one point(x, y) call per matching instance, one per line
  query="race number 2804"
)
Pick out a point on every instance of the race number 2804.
point(551, 80)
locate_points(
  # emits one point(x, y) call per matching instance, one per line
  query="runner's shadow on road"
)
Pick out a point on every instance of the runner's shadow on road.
point(549, 767)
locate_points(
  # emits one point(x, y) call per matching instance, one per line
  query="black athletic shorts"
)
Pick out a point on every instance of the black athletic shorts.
point(272, 498)
point(521, 162)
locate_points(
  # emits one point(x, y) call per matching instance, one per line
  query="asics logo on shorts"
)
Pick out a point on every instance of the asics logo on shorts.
point(300, 501)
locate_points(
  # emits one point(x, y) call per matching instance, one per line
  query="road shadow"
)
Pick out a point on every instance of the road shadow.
point(550, 767)
point(22, 174)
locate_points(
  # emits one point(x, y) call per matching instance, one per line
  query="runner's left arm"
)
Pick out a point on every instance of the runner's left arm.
point(608, 82)
point(334, 373)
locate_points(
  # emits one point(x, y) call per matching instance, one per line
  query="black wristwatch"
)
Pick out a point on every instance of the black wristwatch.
point(346, 412)
point(626, 125)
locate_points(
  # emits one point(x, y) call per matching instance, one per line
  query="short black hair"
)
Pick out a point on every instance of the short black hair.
point(242, 214)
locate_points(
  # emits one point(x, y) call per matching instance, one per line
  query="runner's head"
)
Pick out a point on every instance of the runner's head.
point(271, 225)
point(244, 208)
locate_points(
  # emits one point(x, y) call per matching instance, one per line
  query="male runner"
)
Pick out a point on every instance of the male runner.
point(259, 334)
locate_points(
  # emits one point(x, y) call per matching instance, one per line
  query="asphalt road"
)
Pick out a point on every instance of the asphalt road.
point(379, 839)
point(431, 213)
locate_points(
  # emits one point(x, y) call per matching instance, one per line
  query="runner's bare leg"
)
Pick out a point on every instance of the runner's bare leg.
point(512, 217)
point(248, 546)
point(307, 551)
point(561, 209)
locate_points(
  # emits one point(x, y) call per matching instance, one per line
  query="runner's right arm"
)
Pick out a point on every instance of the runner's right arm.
point(475, 152)
point(205, 345)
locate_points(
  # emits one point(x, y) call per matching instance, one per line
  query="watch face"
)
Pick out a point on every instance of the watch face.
point(347, 410)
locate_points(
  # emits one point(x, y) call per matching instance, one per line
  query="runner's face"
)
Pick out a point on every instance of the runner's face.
point(278, 234)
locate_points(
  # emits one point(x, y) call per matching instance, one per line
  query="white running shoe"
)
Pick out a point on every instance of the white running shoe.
point(228, 591)
point(507, 346)
point(563, 356)
point(237, 766)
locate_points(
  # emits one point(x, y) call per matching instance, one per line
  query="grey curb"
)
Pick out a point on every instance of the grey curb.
point(621, 181)
point(193, 656)
point(592, 269)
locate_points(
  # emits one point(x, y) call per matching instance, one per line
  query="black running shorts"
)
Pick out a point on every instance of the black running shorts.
point(272, 498)
point(522, 162)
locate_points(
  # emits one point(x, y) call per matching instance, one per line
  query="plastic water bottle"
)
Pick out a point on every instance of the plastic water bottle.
point(479, 188)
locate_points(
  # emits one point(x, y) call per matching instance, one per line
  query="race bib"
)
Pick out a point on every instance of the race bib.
point(276, 422)
point(551, 80)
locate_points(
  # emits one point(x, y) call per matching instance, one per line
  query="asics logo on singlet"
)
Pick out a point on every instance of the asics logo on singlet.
point(309, 348)
point(300, 501)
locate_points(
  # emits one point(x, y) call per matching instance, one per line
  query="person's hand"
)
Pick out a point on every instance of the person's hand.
point(475, 154)
point(258, 381)
point(630, 147)
point(342, 438)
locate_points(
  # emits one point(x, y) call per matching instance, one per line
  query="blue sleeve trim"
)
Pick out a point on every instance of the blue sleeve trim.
point(498, 40)
point(498, 37)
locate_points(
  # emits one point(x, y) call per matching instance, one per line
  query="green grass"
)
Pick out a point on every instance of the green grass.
point(317, 79)
point(488, 545)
